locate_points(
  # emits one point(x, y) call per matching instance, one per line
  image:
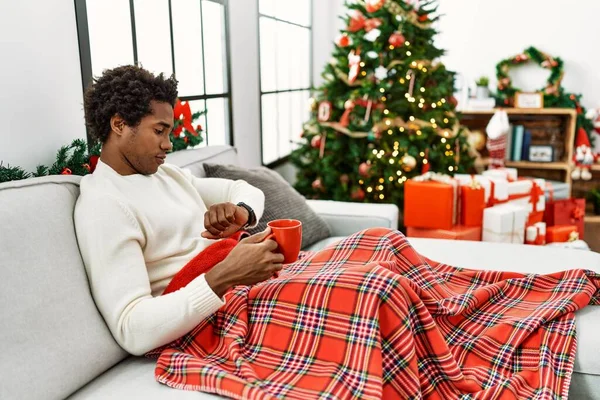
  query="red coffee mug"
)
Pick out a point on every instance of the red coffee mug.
point(288, 235)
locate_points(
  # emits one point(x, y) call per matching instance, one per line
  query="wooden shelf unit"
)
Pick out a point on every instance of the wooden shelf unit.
point(478, 119)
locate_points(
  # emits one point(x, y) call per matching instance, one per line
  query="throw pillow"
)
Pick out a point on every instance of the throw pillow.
point(282, 201)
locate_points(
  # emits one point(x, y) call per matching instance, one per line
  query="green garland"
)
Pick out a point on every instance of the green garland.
point(554, 93)
point(75, 159)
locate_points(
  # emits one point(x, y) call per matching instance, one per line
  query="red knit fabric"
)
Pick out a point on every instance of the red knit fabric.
point(204, 261)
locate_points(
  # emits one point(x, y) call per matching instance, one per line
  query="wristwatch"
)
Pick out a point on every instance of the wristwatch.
point(251, 216)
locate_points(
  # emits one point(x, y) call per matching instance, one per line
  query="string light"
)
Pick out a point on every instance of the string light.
point(369, 189)
point(407, 96)
point(391, 47)
point(433, 105)
point(386, 111)
point(448, 146)
point(390, 131)
point(408, 53)
point(422, 100)
point(400, 181)
point(402, 80)
point(391, 178)
point(383, 98)
point(414, 64)
point(374, 152)
point(424, 162)
point(434, 126)
point(363, 73)
point(420, 105)
point(401, 130)
point(360, 182)
point(446, 120)
point(423, 90)
point(395, 153)
point(380, 187)
point(381, 196)
point(396, 144)
point(432, 120)
point(420, 66)
point(398, 172)
point(392, 161)
point(424, 69)
point(411, 118)
point(382, 90)
point(407, 43)
point(443, 140)
point(362, 64)
point(439, 103)
point(388, 122)
point(443, 100)
point(451, 168)
point(419, 133)
point(380, 180)
point(422, 154)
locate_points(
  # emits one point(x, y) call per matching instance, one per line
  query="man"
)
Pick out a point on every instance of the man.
point(139, 220)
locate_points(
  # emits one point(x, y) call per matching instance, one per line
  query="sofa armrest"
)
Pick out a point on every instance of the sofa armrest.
point(346, 218)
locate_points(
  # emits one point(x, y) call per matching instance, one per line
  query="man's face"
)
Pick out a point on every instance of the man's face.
point(145, 146)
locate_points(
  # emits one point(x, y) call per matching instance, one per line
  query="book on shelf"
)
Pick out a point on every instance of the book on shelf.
point(517, 142)
point(509, 140)
point(526, 145)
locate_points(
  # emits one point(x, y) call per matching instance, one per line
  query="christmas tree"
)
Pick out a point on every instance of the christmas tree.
point(386, 110)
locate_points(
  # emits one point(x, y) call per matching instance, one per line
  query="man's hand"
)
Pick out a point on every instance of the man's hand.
point(251, 261)
point(223, 220)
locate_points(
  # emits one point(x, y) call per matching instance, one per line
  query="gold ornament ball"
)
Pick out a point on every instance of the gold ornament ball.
point(408, 162)
point(476, 140)
point(312, 104)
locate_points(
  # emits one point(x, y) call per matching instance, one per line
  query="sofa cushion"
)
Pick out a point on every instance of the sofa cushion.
point(192, 159)
point(53, 339)
point(134, 379)
point(282, 201)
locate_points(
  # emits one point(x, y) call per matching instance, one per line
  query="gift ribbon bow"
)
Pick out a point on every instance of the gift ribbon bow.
point(184, 112)
point(536, 192)
point(573, 236)
point(577, 214)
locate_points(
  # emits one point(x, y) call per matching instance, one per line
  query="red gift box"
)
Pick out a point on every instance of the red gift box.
point(472, 204)
point(456, 233)
point(561, 233)
point(430, 204)
point(566, 212)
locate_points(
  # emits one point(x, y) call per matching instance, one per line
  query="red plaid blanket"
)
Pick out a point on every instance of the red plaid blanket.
point(370, 318)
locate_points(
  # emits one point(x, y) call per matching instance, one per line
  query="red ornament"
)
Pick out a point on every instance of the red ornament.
point(66, 171)
point(423, 18)
point(184, 113)
point(87, 167)
point(315, 142)
point(374, 5)
point(364, 170)
point(426, 165)
point(357, 21)
point(354, 64)
point(344, 179)
point(317, 185)
point(198, 128)
point(324, 111)
point(396, 39)
point(452, 100)
point(344, 40)
point(358, 194)
point(93, 162)
point(186, 140)
point(372, 23)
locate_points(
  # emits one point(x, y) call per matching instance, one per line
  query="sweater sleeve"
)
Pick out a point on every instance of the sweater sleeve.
point(217, 190)
point(111, 241)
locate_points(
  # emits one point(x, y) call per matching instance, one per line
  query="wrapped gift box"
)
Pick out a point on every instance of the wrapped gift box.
point(504, 223)
point(458, 232)
point(529, 193)
point(496, 189)
point(430, 204)
point(472, 204)
point(554, 190)
point(566, 212)
point(561, 233)
point(509, 174)
point(536, 234)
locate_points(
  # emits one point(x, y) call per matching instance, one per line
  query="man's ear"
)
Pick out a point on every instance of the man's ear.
point(117, 124)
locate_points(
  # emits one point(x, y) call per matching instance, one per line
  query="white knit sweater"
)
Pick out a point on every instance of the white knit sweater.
point(135, 233)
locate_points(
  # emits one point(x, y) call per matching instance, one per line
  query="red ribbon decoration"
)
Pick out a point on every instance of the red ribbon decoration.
point(536, 192)
point(577, 214)
point(349, 106)
point(181, 110)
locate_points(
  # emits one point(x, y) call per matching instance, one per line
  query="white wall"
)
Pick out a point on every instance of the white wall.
point(41, 105)
point(478, 34)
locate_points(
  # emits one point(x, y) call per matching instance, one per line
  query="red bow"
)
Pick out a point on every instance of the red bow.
point(536, 192)
point(577, 214)
point(185, 111)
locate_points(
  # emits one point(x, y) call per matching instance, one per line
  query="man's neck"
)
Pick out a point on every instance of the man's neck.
point(116, 160)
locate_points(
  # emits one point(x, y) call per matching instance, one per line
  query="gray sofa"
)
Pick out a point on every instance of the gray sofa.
point(54, 343)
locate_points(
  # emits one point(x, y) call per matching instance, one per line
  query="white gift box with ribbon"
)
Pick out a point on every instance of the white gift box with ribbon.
point(504, 223)
point(510, 174)
point(524, 193)
point(497, 187)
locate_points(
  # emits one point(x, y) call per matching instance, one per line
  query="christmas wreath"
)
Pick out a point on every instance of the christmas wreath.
point(506, 91)
point(554, 93)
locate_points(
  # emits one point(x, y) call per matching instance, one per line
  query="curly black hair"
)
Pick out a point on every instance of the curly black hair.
point(126, 91)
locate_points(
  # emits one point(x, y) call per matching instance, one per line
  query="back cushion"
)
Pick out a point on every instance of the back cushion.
point(52, 338)
point(192, 159)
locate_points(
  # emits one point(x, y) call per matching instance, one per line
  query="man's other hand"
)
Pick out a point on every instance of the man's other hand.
point(223, 220)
